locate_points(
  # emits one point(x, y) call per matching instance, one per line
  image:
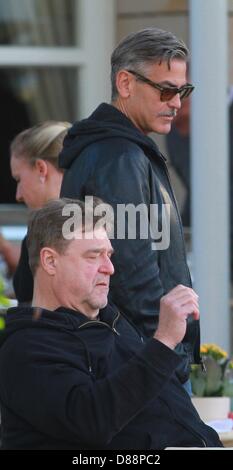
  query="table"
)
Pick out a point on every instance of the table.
point(227, 438)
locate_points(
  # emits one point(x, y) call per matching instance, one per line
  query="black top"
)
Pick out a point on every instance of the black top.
point(68, 382)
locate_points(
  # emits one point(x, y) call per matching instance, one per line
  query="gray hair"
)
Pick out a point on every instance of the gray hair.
point(144, 48)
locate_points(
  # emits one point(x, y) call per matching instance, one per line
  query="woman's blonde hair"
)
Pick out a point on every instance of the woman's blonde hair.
point(43, 141)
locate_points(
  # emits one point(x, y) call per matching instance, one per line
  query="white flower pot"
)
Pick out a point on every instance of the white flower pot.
point(212, 408)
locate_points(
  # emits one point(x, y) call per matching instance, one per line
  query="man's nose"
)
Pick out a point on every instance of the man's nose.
point(175, 102)
point(107, 266)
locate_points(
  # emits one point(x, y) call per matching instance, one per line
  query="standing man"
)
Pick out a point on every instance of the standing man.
point(109, 155)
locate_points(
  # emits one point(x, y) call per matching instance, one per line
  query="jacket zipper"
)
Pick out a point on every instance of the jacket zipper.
point(114, 323)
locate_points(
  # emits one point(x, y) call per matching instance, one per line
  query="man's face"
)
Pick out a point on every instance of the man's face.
point(83, 273)
point(144, 106)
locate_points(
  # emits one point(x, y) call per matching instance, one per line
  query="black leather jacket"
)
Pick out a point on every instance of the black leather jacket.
point(107, 156)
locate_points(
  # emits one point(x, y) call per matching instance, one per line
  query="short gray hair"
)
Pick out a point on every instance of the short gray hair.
point(144, 48)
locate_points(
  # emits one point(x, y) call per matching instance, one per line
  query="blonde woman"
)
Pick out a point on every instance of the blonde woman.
point(34, 166)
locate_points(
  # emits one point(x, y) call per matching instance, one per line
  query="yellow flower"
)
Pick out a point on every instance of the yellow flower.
point(210, 349)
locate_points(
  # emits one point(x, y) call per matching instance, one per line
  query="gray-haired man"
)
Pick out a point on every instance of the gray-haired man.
point(110, 156)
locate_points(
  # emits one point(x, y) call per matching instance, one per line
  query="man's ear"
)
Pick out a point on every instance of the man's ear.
point(124, 83)
point(48, 259)
point(42, 169)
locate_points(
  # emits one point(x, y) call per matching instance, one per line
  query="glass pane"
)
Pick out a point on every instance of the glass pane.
point(28, 96)
point(38, 22)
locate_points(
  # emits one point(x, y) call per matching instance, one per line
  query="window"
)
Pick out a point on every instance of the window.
point(50, 50)
point(36, 38)
point(38, 22)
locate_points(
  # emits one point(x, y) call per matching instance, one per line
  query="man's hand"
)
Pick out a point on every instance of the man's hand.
point(175, 307)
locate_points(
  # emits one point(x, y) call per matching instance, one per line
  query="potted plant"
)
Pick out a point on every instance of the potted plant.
point(212, 384)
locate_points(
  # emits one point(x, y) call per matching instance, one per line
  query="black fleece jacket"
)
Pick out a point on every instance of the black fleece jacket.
point(108, 157)
point(71, 383)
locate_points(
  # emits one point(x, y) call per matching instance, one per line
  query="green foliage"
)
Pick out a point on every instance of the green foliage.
point(3, 300)
point(217, 378)
point(2, 323)
point(198, 381)
point(213, 377)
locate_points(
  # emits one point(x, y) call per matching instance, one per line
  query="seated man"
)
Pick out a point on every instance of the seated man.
point(75, 374)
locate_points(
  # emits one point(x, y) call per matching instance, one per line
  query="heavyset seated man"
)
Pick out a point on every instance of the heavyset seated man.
point(75, 374)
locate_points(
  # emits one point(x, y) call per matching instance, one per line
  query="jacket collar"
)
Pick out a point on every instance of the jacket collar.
point(106, 315)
